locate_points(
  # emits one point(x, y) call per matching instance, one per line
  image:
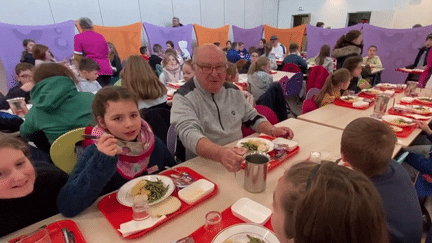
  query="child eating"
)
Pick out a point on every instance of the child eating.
point(104, 167)
point(89, 72)
point(367, 145)
point(333, 86)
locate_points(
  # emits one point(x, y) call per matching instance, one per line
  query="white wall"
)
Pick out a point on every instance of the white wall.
point(334, 13)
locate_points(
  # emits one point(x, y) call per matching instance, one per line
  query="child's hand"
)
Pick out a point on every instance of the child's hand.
point(332, 99)
point(425, 127)
point(107, 144)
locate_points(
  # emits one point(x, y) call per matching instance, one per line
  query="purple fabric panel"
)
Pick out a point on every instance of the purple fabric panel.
point(58, 37)
point(317, 37)
point(250, 37)
point(160, 35)
point(396, 48)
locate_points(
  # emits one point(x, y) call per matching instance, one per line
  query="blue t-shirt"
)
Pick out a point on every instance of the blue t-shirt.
point(401, 204)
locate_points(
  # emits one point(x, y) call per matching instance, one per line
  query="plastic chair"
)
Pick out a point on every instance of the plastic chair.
point(63, 152)
point(283, 81)
point(308, 105)
point(317, 77)
point(265, 111)
point(312, 93)
point(291, 67)
point(294, 85)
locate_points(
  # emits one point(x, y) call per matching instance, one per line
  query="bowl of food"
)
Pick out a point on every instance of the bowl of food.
point(349, 99)
point(156, 187)
point(371, 91)
point(425, 100)
point(422, 110)
point(256, 144)
point(398, 121)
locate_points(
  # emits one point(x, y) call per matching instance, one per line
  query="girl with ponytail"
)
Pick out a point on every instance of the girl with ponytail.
point(333, 86)
point(259, 77)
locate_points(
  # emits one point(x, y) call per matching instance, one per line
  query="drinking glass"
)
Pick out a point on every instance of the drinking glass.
point(315, 157)
point(39, 236)
point(213, 223)
point(140, 207)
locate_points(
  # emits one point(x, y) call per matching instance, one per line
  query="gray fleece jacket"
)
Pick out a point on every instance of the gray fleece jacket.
point(197, 113)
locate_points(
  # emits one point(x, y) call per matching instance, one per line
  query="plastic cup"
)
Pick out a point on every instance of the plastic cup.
point(140, 208)
point(213, 222)
point(18, 106)
point(39, 236)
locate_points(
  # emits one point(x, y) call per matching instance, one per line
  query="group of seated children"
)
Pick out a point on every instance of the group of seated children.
point(375, 201)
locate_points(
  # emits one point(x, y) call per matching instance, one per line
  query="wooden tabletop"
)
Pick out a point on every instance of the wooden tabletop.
point(311, 138)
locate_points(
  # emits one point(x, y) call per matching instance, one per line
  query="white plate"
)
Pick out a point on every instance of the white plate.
point(407, 99)
point(269, 143)
point(239, 232)
point(125, 198)
point(251, 211)
point(196, 191)
point(389, 118)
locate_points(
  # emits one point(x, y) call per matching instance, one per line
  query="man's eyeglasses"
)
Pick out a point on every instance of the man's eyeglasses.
point(209, 69)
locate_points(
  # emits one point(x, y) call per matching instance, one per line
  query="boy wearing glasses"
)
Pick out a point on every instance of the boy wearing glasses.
point(367, 145)
point(25, 85)
point(208, 113)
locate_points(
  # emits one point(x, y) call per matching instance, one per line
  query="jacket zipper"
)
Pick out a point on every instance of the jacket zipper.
point(217, 107)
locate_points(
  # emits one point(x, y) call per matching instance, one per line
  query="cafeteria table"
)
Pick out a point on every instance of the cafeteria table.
point(311, 138)
point(339, 117)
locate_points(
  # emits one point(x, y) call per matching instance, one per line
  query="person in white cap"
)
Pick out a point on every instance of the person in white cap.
point(278, 49)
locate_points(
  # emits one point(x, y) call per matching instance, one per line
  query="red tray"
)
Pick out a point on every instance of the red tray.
point(416, 102)
point(117, 214)
point(391, 111)
point(408, 71)
point(56, 234)
point(364, 95)
point(228, 219)
point(406, 131)
point(339, 102)
point(276, 162)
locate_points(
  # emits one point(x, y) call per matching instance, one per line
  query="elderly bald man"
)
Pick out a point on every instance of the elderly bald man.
point(208, 112)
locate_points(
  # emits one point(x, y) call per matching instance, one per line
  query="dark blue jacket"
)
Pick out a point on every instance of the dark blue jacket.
point(233, 55)
point(296, 59)
point(95, 174)
point(401, 204)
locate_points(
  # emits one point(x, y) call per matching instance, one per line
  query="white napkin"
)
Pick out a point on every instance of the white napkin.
point(134, 226)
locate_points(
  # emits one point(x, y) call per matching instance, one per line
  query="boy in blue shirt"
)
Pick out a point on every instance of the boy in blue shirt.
point(367, 145)
point(294, 57)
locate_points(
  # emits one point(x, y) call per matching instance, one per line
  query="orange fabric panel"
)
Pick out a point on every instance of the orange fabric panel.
point(126, 39)
point(209, 35)
point(286, 36)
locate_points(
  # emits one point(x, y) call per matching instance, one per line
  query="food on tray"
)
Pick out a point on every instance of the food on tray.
point(400, 122)
point(386, 85)
point(396, 129)
point(371, 91)
point(421, 110)
point(155, 190)
point(425, 100)
point(254, 240)
point(255, 145)
point(349, 99)
point(167, 206)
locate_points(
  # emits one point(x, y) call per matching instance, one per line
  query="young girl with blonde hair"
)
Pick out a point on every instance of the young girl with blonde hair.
point(171, 69)
point(140, 79)
point(259, 77)
point(333, 86)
